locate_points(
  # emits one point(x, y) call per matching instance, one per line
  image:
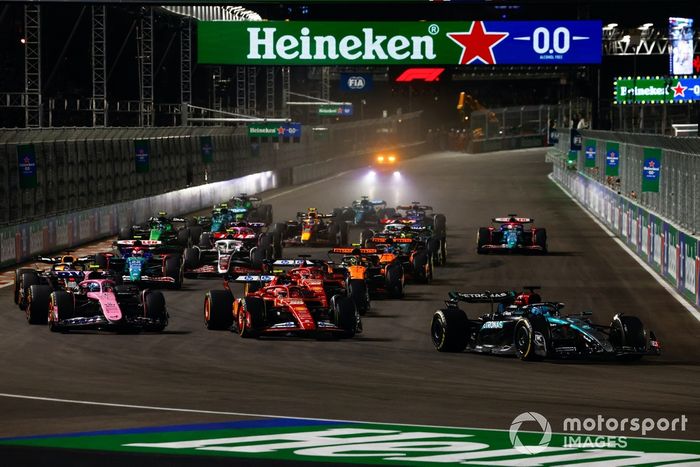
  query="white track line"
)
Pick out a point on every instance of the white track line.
point(257, 415)
point(669, 288)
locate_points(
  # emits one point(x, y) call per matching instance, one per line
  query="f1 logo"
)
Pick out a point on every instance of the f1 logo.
point(420, 74)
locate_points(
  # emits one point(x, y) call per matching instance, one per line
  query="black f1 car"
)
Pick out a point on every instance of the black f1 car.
point(531, 329)
point(511, 235)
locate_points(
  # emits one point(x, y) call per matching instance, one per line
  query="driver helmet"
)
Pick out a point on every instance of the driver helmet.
point(93, 287)
point(137, 251)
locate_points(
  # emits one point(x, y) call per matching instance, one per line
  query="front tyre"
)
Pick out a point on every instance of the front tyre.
point(449, 330)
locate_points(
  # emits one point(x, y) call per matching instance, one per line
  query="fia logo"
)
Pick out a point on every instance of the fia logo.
point(356, 82)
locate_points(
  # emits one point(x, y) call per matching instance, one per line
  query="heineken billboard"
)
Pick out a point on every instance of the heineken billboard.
point(403, 42)
point(656, 89)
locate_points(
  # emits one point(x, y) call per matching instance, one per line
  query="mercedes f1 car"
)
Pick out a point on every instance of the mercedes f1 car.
point(312, 228)
point(141, 262)
point(295, 303)
point(525, 326)
point(102, 304)
point(511, 235)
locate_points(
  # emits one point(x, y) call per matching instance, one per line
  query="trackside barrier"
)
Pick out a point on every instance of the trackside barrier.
point(24, 241)
point(669, 249)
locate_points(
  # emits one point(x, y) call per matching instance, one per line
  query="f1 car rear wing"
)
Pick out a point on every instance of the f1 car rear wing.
point(519, 220)
point(482, 297)
point(414, 206)
point(142, 243)
point(390, 240)
point(256, 278)
point(353, 251)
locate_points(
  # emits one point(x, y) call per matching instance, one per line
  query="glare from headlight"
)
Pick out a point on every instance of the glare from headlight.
point(392, 158)
point(397, 174)
point(380, 158)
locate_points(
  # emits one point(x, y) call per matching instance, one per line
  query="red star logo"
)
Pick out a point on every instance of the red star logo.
point(696, 63)
point(652, 164)
point(679, 90)
point(280, 130)
point(477, 43)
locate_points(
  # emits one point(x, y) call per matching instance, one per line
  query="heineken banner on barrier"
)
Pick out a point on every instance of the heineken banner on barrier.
point(143, 152)
point(344, 110)
point(656, 89)
point(26, 163)
point(572, 159)
point(612, 159)
point(402, 42)
point(274, 130)
point(651, 171)
point(207, 149)
point(590, 152)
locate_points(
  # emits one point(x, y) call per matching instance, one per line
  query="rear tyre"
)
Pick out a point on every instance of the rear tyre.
point(483, 238)
point(18, 281)
point(334, 234)
point(38, 304)
point(439, 225)
point(344, 233)
point(541, 239)
point(218, 309)
point(449, 330)
point(195, 234)
point(125, 233)
point(154, 309)
point(280, 227)
point(277, 250)
point(27, 280)
point(365, 238)
point(423, 267)
point(251, 317)
point(61, 307)
point(345, 315)
point(357, 290)
point(205, 241)
point(173, 268)
point(102, 260)
point(191, 256)
point(183, 237)
point(394, 280)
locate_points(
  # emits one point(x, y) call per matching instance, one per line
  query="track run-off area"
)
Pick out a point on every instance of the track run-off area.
point(288, 400)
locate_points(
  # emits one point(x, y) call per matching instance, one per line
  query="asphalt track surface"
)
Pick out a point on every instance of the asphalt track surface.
point(390, 373)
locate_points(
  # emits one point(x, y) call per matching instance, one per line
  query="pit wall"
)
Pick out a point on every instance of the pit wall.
point(668, 249)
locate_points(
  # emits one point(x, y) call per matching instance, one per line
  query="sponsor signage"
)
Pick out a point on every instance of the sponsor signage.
point(274, 130)
point(651, 171)
point(612, 159)
point(356, 82)
point(207, 148)
point(344, 110)
point(575, 140)
point(403, 42)
point(590, 152)
point(26, 164)
point(142, 148)
point(680, 45)
point(656, 90)
point(572, 159)
point(420, 74)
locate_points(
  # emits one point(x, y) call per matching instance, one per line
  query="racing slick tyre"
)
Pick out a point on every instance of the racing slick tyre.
point(61, 307)
point(154, 309)
point(277, 251)
point(191, 222)
point(191, 256)
point(357, 291)
point(205, 241)
point(344, 233)
point(218, 309)
point(541, 239)
point(125, 233)
point(436, 248)
point(280, 227)
point(251, 316)
point(195, 234)
point(18, 281)
point(423, 266)
point(268, 214)
point(524, 341)
point(394, 280)
point(439, 225)
point(483, 238)
point(102, 260)
point(38, 304)
point(184, 238)
point(628, 332)
point(27, 279)
point(449, 330)
point(345, 315)
point(174, 268)
point(258, 256)
point(334, 237)
point(365, 237)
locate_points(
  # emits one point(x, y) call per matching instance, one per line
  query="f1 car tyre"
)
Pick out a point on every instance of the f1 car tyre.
point(18, 281)
point(38, 304)
point(251, 316)
point(183, 237)
point(27, 279)
point(264, 241)
point(436, 248)
point(365, 237)
point(205, 241)
point(345, 315)
point(280, 227)
point(394, 280)
point(102, 260)
point(154, 309)
point(173, 268)
point(422, 266)
point(344, 233)
point(191, 222)
point(277, 245)
point(483, 238)
point(449, 330)
point(125, 233)
point(541, 239)
point(191, 256)
point(195, 234)
point(440, 225)
point(61, 307)
point(357, 290)
point(628, 332)
point(334, 233)
point(524, 340)
point(218, 309)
